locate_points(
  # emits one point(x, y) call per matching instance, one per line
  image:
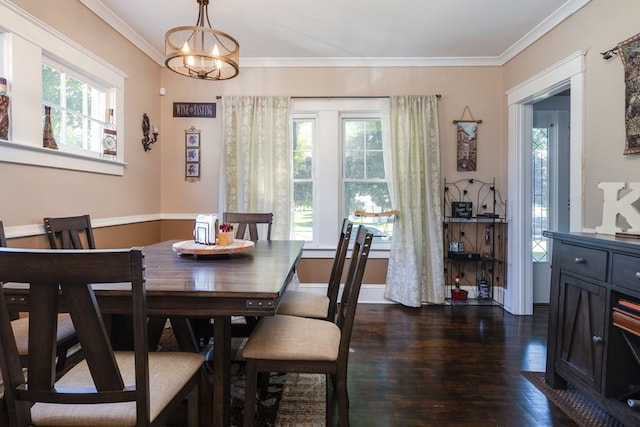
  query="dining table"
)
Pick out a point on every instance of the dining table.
point(213, 285)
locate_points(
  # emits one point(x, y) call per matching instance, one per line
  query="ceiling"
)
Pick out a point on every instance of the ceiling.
point(349, 32)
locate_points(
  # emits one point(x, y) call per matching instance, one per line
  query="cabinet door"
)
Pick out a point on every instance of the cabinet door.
point(580, 338)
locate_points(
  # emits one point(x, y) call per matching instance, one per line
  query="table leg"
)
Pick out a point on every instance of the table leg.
point(221, 371)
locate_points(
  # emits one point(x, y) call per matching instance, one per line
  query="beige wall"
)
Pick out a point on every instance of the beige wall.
point(35, 192)
point(479, 88)
point(597, 27)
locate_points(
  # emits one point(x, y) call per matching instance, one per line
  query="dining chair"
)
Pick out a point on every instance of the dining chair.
point(248, 221)
point(318, 306)
point(243, 222)
point(106, 388)
point(66, 232)
point(284, 343)
point(66, 334)
point(76, 232)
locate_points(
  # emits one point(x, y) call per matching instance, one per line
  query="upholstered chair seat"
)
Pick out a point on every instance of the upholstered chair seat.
point(168, 374)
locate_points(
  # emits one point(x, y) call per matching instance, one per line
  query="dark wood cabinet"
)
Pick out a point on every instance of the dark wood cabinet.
point(590, 275)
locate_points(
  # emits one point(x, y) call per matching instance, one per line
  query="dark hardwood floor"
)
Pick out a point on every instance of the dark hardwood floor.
point(448, 366)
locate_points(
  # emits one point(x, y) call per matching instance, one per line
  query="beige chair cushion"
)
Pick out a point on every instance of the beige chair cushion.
point(21, 331)
point(304, 304)
point(168, 373)
point(284, 337)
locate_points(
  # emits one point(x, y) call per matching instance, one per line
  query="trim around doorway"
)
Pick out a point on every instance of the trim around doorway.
point(568, 72)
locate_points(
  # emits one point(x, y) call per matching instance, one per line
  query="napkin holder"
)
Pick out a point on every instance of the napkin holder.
point(205, 230)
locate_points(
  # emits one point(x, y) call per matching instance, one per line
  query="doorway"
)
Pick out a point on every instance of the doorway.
point(566, 74)
point(549, 184)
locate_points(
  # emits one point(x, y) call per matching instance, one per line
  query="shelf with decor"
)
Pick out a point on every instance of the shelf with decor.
point(474, 237)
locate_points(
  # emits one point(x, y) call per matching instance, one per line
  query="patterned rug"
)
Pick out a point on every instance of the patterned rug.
point(580, 408)
point(293, 400)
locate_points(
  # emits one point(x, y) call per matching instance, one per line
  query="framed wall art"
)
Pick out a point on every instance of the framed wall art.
point(192, 154)
point(467, 142)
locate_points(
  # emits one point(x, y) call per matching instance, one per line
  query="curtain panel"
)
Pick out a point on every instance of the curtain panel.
point(257, 158)
point(415, 274)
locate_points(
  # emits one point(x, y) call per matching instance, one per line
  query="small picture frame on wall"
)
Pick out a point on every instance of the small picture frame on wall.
point(192, 170)
point(192, 154)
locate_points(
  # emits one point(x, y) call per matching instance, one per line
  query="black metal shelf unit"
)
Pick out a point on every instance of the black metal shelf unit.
point(474, 237)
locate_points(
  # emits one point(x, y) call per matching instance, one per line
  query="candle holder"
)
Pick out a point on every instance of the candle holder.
point(146, 128)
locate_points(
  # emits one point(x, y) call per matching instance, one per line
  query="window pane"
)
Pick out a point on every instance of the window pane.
point(303, 133)
point(354, 134)
point(354, 165)
point(74, 94)
point(302, 143)
point(75, 134)
point(50, 85)
point(303, 213)
point(374, 135)
point(375, 165)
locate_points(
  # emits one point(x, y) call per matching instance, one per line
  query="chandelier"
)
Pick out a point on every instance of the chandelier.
point(200, 51)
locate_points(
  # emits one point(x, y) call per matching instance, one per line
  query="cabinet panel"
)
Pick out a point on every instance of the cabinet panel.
point(626, 271)
point(581, 340)
point(588, 262)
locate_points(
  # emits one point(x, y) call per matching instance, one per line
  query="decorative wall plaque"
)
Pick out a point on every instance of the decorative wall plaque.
point(194, 109)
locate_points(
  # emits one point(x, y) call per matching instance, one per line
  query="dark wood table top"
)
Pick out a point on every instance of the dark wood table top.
point(240, 284)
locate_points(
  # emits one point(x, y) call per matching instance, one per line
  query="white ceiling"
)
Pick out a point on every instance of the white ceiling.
point(349, 32)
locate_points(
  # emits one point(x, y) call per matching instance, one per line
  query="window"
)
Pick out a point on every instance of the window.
point(338, 168)
point(540, 196)
point(77, 109)
point(364, 184)
point(43, 67)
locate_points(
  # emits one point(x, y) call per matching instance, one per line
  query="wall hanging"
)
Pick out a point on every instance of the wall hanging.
point(192, 154)
point(629, 51)
point(146, 129)
point(467, 142)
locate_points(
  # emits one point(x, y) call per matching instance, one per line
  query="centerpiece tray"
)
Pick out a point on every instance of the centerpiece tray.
point(190, 247)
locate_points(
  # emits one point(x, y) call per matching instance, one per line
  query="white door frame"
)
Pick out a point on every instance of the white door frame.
point(518, 297)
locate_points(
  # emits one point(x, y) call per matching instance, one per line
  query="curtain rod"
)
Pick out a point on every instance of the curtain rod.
point(353, 97)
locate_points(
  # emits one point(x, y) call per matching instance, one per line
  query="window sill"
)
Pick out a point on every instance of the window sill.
point(11, 152)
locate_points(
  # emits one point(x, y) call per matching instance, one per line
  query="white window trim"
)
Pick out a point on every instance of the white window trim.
point(25, 41)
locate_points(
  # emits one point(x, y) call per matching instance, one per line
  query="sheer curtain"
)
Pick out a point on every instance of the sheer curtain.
point(257, 158)
point(416, 264)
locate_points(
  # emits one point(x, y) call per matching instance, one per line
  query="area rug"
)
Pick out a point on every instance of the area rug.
point(580, 408)
point(293, 400)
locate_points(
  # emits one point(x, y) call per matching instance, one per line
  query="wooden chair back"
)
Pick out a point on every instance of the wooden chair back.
point(244, 221)
point(338, 265)
point(351, 291)
point(69, 273)
point(66, 232)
